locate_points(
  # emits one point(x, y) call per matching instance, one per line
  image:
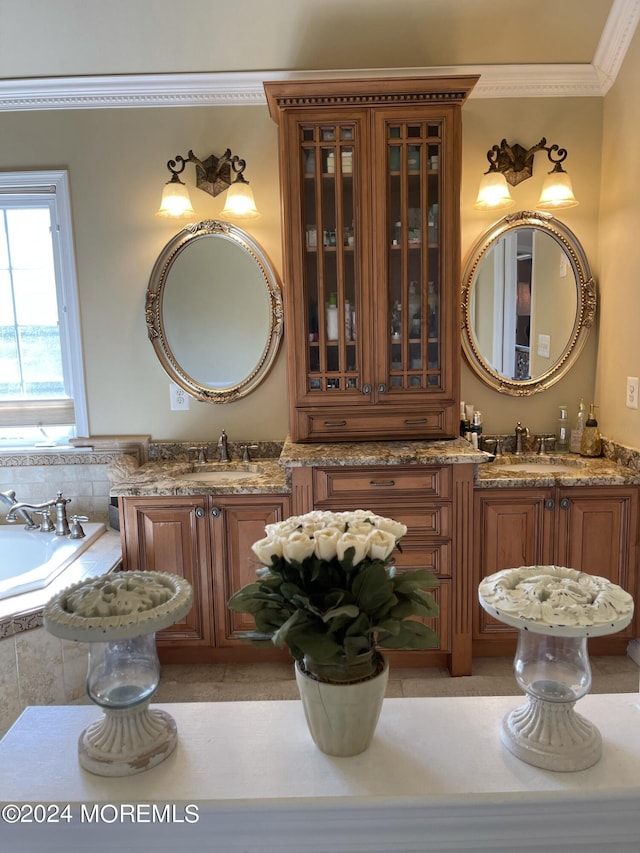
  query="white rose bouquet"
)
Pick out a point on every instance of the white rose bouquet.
point(328, 590)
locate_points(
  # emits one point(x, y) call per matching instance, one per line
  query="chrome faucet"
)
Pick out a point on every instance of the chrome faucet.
point(60, 505)
point(9, 498)
point(222, 447)
point(520, 432)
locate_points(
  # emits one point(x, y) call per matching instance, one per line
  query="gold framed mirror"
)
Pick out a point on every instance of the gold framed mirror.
point(528, 303)
point(214, 311)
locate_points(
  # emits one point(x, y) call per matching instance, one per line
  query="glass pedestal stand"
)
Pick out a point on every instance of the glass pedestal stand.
point(118, 615)
point(122, 677)
point(555, 610)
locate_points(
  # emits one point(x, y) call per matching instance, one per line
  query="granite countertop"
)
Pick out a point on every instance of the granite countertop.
point(165, 477)
point(447, 452)
point(538, 471)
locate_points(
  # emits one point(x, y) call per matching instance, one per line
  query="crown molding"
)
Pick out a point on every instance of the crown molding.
point(245, 88)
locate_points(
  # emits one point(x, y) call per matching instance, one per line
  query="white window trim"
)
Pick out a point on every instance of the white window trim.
point(57, 183)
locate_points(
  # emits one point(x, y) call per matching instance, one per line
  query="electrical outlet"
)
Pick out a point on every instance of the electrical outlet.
point(633, 385)
point(178, 398)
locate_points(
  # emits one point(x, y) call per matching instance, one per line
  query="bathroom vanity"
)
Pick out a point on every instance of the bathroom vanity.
point(467, 517)
point(582, 514)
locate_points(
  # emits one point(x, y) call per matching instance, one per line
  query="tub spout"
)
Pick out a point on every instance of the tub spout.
point(61, 525)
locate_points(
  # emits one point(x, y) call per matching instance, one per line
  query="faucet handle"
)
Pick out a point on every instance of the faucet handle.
point(245, 448)
point(46, 525)
point(202, 456)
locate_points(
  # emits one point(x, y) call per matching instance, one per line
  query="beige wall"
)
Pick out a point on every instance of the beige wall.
point(619, 235)
point(116, 159)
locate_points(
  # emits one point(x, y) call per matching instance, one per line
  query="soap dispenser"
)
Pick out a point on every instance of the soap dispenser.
point(591, 442)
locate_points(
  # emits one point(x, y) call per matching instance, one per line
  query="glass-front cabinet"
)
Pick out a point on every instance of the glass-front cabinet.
point(370, 184)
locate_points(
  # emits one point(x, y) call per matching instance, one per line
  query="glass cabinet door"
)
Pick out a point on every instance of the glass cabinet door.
point(329, 161)
point(412, 341)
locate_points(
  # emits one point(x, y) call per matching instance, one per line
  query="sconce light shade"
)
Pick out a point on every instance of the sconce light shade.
point(176, 203)
point(493, 193)
point(512, 164)
point(240, 203)
point(557, 191)
point(213, 176)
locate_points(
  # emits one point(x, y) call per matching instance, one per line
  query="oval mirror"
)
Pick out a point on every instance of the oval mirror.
point(214, 311)
point(528, 303)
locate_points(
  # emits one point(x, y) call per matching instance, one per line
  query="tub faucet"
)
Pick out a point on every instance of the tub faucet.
point(520, 432)
point(222, 447)
point(60, 505)
point(9, 498)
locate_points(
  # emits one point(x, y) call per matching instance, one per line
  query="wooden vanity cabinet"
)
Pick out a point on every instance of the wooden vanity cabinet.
point(434, 502)
point(593, 529)
point(370, 177)
point(207, 540)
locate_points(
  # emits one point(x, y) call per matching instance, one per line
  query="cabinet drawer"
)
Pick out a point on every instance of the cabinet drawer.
point(433, 556)
point(370, 485)
point(372, 424)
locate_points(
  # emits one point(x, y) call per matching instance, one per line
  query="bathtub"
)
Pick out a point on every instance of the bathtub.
point(31, 560)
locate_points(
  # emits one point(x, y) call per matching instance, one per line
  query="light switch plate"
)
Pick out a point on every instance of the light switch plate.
point(544, 346)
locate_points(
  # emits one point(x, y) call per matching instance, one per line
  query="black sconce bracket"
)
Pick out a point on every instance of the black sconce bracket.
point(516, 162)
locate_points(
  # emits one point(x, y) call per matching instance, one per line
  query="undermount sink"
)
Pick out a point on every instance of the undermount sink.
point(218, 476)
point(538, 468)
point(221, 472)
point(537, 465)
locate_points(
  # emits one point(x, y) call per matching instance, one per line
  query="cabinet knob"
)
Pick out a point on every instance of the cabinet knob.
point(366, 389)
point(382, 388)
point(215, 511)
point(199, 512)
point(549, 504)
point(564, 503)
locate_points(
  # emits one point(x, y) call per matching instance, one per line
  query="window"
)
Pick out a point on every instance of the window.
point(42, 397)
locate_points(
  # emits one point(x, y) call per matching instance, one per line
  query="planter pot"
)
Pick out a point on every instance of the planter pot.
point(342, 717)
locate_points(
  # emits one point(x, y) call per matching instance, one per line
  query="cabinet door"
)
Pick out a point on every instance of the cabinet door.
point(329, 325)
point(171, 536)
point(235, 526)
point(413, 320)
point(513, 527)
point(597, 531)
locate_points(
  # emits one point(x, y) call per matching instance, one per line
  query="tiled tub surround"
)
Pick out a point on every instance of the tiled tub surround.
point(36, 668)
point(79, 472)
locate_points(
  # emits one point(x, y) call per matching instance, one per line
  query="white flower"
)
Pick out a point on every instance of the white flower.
point(380, 544)
point(350, 540)
point(282, 528)
point(326, 541)
point(297, 546)
point(360, 528)
point(265, 548)
point(391, 526)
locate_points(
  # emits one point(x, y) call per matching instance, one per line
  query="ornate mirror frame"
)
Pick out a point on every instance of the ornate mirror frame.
point(157, 321)
point(586, 302)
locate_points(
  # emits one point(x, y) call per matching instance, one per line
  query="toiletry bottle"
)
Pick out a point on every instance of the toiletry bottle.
point(464, 423)
point(332, 318)
point(576, 432)
point(562, 431)
point(591, 442)
point(414, 309)
point(476, 430)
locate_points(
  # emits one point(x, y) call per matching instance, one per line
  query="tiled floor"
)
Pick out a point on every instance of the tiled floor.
point(492, 677)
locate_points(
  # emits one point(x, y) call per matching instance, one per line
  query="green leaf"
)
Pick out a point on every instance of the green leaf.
point(408, 581)
point(411, 635)
point(372, 588)
point(349, 610)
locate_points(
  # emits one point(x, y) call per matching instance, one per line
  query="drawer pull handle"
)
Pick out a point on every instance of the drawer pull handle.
point(384, 483)
point(410, 421)
point(335, 423)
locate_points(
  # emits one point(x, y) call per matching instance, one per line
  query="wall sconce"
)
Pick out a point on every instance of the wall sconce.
point(213, 176)
point(512, 164)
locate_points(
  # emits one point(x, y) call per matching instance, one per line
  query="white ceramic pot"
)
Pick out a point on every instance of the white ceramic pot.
point(342, 717)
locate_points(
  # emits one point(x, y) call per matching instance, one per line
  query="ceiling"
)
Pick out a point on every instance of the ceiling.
point(160, 52)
